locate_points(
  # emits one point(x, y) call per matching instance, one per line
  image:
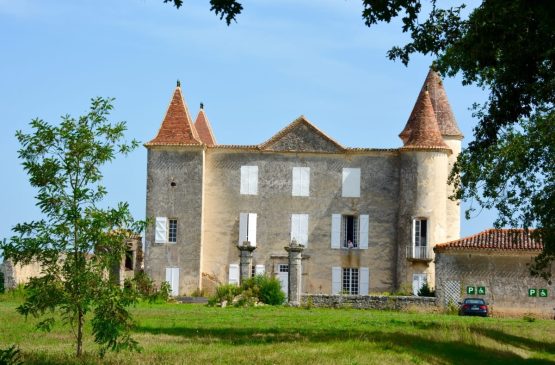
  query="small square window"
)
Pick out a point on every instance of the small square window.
point(283, 268)
point(172, 232)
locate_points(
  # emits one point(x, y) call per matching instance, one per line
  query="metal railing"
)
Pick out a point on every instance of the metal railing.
point(418, 253)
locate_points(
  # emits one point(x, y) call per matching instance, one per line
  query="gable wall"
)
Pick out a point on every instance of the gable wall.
point(274, 205)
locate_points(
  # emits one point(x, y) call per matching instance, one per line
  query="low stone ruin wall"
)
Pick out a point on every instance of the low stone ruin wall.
point(367, 301)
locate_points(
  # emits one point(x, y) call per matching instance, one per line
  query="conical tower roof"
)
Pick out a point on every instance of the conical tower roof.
point(424, 129)
point(177, 127)
point(440, 104)
point(204, 129)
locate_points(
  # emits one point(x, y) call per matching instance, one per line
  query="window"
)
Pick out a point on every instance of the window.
point(172, 277)
point(283, 268)
point(299, 228)
point(247, 228)
point(350, 281)
point(249, 180)
point(172, 231)
point(418, 281)
point(420, 238)
point(349, 231)
point(301, 181)
point(129, 260)
point(233, 274)
point(351, 183)
point(161, 230)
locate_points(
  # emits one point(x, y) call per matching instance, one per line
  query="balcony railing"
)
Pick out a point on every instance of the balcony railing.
point(418, 253)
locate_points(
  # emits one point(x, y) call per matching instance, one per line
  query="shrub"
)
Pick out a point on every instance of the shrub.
point(270, 291)
point(259, 288)
point(426, 291)
point(147, 290)
point(10, 356)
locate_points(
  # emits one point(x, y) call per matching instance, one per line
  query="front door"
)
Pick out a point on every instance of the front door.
point(172, 277)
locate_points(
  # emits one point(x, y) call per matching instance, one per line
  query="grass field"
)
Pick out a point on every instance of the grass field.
point(195, 334)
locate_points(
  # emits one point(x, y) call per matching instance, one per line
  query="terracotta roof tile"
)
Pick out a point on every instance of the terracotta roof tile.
point(177, 127)
point(495, 239)
point(204, 129)
point(423, 128)
point(440, 104)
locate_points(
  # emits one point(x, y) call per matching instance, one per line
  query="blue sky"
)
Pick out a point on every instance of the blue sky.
point(282, 59)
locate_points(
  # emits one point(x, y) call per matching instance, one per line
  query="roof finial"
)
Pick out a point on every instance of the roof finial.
point(178, 83)
point(201, 105)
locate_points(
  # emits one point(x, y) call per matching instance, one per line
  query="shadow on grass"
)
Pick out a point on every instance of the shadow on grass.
point(418, 345)
point(516, 341)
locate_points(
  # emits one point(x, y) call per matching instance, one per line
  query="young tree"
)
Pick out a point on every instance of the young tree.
point(77, 243)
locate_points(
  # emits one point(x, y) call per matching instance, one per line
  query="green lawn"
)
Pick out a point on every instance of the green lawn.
point(195, 334)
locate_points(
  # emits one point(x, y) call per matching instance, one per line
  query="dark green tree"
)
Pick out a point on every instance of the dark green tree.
point(508, 48)
point(77, 242)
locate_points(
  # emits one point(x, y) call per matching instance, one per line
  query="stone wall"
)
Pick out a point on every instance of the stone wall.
point(18, 274)
point(368, 301)
point(504, 275)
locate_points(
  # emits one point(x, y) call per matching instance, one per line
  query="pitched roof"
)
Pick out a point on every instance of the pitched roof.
point(177, 127)
point(423, 128)
point(440, 104)
point(204, 129)
point(302, 135)
point(495, 239)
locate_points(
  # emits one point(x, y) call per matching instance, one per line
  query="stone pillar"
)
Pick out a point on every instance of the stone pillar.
point(245, 263)
point(295, 272)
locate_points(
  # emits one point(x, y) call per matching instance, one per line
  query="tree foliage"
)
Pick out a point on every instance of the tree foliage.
point(507, 47)
point(77, 242)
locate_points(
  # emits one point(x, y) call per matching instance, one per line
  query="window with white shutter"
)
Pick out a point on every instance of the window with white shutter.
point(335, 230)
point(259, 270)
point(336, 280)
point(172, 277)
point(247, 228)
point(351, 183)
point(301, 181)
point(160, 234)
point(299, 228)
point(364, 281)
point(249, 180)
point(363, 231)
point(234, 274)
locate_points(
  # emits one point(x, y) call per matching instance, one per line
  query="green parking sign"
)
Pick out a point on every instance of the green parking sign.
point(481, 290)
point(532, 292)
point(470, 290)
point(543, 293)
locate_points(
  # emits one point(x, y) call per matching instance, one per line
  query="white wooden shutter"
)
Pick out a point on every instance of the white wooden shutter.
point(251, 229)
point(253, 180)
point(295, 227)
point(296, 181)
point(363, 281)
point(234, 274)
point(172, 277)
point(259, 270)
point(303, 229)
point(335, 230)
point(335, 280)
point(305, 181)
point(301, 181)
point(243, 223)
point(363, 231)
point(245, 179)
point(351, 183)
point(160, 235)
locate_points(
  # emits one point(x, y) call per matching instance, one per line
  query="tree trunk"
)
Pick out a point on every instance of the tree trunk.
point(80, 321)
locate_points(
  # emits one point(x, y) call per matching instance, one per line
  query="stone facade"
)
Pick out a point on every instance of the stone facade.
point(197, 185)
point(15, 275)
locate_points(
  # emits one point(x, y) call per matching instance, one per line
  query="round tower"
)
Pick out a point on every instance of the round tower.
point(423, 207)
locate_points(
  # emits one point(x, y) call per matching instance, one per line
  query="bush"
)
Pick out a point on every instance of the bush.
point(146, 288)
point(259, 288)
point(10, 356)
point(426, 291)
